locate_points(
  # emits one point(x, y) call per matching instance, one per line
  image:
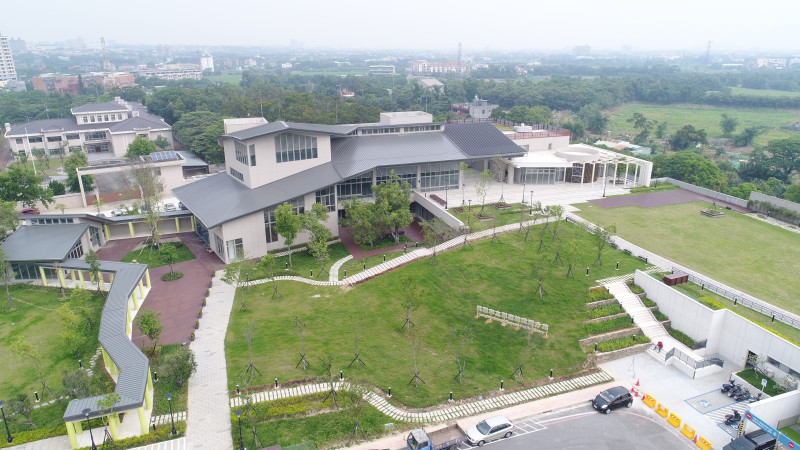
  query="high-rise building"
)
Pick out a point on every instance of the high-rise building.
point(7, 70)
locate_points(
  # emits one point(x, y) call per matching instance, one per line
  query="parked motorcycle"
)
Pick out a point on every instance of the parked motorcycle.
point(743, 394)
point(731, 419)
point(734, 391)
point(756, 398)
point(726, 387)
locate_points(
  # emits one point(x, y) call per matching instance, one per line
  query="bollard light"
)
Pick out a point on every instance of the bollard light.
point(341, 375)
point(155, 376)
point(451, 397)
point(80, 364)
point(551, 374)
point(587, 271)
point(276, 382)
point(36, 394)
point(287, 266)
point(237, 390)
point(311, 272)
point(238, 413)
point(345, 273)
point(501, 385)
point(390, 392)
point(617, 266)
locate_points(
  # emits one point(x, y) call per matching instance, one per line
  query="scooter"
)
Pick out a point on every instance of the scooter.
point(731, 419)
point(756, 398)
point(743, 394)
point(728, 386)
point(734, 391)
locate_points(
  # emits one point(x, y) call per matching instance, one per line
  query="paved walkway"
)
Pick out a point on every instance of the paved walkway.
point(208, 425)
point(440, 414)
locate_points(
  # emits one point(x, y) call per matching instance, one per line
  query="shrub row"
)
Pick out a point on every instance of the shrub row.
point(711, 303)
point(773, 210)
point(660, 316)
point(623, 342)
point(635, 288)
point(33, 435)
point(648, 303)
point(597, 294)
point(606, 326)
point(162, 433)
point(681, 337)
point(606, 310)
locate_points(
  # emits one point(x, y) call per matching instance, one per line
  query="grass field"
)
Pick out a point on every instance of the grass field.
point(494, 275)
point(152, 257)
point(707, 118)
point(763, 92)
point(227, 77)
point(742, 252)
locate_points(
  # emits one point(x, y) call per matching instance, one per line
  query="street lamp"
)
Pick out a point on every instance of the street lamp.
point(89, 424)
point(604, 188)
point(523, 192)
point(239, 419)
point(445, 196)
point(531, 201)
point(9, 439)
point(169, 400)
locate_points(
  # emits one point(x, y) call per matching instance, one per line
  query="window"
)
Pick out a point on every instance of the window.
point(295, 147)
point(34, 139)
point(53, 138)
point(359, 186)
point(95, 136)
point(220, 247)
point(94, 236)
point(71, 136)
point(437, 176)
point(85, 119)
point(421, 128)
point(235, 249)
point(252, 155)
point(91, 118)
point(269, 217)
point(113, 117)
point(51, 221)
point(76, 252)
point(241, 152)
point(406, 173)
point(236, 174)
point(99, 118)
point(381, 130)
point(326, 197)
point(19, 141)
point(105, 118)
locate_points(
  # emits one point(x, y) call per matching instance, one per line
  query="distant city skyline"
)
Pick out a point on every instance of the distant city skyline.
point(517, 25)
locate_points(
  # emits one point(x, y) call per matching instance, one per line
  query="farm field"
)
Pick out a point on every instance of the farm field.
point(708, 118)
point(763, 92)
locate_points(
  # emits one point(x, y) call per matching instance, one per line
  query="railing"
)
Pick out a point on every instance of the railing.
point(739, 300)
point(691, 362)
point(700, 344)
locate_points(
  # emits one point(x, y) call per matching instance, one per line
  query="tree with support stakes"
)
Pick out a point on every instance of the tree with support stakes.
point(459, 345)
point(254, 409)
point(149, 324)
point(359, 393)
point(535, 206)
point(465, 229)
point(435, 231)
point(556, 211)
point(356, 332)
point(32, 354)
point(499, 166)
point(237, 273)
point(327, 362)
point(523, 357)
point(466, 171)
point(412, 297)
point(251, 369)
point(602, 237)
point(393, 204)
point(569, 252)
point(287, 224)
point(540, 269)
point(542, 244)
point(415, 343)
point(300, 326)
point(318, 245)
point(482, 188)
point(268, 264)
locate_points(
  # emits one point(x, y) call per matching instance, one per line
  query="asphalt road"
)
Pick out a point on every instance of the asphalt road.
point(582, 428)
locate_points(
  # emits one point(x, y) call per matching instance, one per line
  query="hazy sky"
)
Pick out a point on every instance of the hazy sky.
point(769, 25)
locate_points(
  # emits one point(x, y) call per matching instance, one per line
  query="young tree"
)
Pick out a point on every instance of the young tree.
point(434, 231)
point(179, 366)
point(459, 345)
point(267, 263)
point(318, 245)
point(41, 157)
point(8, 218)
point(169, 254)
point(72, 338)
point(287, 224)
point(141, 146)
point(21, 405)
point(151, 187)
point(728, 125)
point(80, 299)
point(360, 217)
point(540, 269)
point(62, 150)
point(602, 236)
point(76, 384)
point(60, 206)
point(76, 160)
point(237, 274)
point(393, 203)
point(569, 254)
point(30, 353)
point(161, 142)
point(466, 171)
point(149, 323)
point(661, 129)
point(556, 211)
point(94, 268)
point(482, 188)
point(412, 298)
point(687, 137)
point(499, 166)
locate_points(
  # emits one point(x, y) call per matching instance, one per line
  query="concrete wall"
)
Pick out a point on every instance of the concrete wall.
point(729, 335)
point(437, 210)
point(68, 200)
point(779, 411)
point(700, 190)
point(538, 144)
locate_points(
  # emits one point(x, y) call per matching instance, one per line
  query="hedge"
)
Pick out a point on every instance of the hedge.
point(623, 342)
point(606, 310)
point(660, 316)
point(635, 288)
point(606, 326)
point(34, 435)
point(649, 303)
point(162, 433)
point(597, 294)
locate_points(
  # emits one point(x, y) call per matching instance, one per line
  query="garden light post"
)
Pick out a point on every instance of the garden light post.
point(523, 192)
point(445, 196)
point(9, 439)
point(86, 413)
point(169, 400)
point(239, 419)
point(470, 204)
point(604, 188)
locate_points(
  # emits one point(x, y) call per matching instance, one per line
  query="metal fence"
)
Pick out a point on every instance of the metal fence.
point(691, 362)
point(739, 300)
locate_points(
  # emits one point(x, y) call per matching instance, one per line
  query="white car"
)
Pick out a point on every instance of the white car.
point(490, 429)
point(169, 207)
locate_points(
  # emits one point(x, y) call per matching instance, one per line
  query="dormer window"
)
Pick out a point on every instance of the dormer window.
point(295, 147)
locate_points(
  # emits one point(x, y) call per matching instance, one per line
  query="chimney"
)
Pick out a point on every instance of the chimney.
point(8, 127)
point(135, 113)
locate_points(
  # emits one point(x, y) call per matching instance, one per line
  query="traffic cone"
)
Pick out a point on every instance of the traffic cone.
point(637, 381)
point(633, 390)
point(695, 439)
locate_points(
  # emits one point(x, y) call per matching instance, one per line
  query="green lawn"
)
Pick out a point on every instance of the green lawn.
point(355, 266)
point(165, 385)
point(303, 263)
point(500, 217)
point(742, 252)
point(149, 255)
point(493, 275)
point(707, 118)
point(763, 92)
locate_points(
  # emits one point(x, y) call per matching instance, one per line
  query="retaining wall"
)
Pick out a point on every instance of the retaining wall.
point(600, 358)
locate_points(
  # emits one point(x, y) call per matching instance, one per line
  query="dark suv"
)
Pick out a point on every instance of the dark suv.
point(757, 440)
point(611, 399)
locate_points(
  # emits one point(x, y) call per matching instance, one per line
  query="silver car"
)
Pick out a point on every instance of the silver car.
point(490, 429)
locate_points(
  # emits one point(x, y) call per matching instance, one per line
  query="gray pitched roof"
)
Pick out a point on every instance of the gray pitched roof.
point(481, 139)
point(354, 155)
point(220, 198)
point(44, 125)
point(43, 242)
point(138, 123)
point(134, 367)
point(277, 127)
point(191, 160)
point(99, 107)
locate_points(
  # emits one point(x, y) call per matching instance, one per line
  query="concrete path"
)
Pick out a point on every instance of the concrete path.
point(440, 414)
point(208, 425)
point(333, 272)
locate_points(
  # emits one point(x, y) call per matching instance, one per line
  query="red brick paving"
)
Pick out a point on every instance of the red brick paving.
point(663, 198)
point(178, 301)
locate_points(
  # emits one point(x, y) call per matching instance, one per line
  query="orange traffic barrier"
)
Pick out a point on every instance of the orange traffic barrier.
point(649, 401)
point(662, 410)
point(688, 432)
point(674, 420)
point(703, 443)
